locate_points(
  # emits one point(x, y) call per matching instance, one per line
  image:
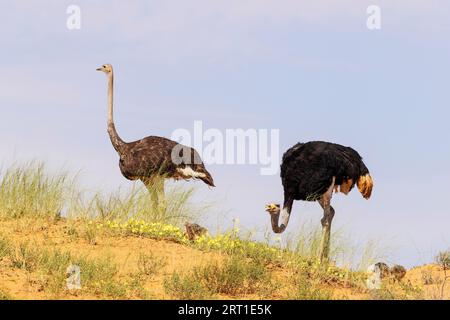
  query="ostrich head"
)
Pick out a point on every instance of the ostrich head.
point(106, 68)
point(273, 208)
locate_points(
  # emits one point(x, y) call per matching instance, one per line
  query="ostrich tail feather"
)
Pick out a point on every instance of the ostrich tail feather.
point(365, 185)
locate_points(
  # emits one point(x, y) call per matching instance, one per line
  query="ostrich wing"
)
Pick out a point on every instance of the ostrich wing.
point(308, 169)
point(147, 157)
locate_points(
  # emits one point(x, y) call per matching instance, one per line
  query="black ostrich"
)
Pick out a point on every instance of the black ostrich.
point(310, 172)
point(152, 159)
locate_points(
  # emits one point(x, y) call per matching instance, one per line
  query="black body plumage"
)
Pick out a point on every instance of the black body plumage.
point(307, 169)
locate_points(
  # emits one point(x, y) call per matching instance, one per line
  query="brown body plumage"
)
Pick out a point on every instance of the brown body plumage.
point(153, 157)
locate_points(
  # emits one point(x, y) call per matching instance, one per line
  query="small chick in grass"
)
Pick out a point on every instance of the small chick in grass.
point(193, 231)
point(384, 269)
point(380, 271)
point(398, 272)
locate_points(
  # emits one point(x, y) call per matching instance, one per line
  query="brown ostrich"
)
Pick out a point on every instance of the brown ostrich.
point(153, 159)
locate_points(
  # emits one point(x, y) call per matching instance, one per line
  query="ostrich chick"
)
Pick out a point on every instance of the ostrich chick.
point(193, 231)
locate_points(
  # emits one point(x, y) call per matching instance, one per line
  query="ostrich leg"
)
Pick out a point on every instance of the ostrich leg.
point(161, 199)
point(328, 214)
point(155, 187)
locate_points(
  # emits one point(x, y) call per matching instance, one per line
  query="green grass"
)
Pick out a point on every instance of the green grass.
point(185, 287)
point(136, 203)
point(4, 295)
point(305, 242)
point(48, 267)
point(150, 264)
point(308, 289)
point(30, 191)
point(443, 260)
point(26, 190)
point(25, 256)
point(403, 291)
point(5, 247)
point(235, 276)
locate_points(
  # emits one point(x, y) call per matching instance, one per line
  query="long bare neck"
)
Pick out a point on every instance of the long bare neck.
point(275, 220)
point(285, 215)
point(116, 141)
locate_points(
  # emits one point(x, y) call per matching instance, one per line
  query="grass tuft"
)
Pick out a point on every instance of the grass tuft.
point(4, 295)
point(150, 264)
point(28, 190)
point(234, 276)
point(5, 247)
point(136, 203)
point(186, 288)
point(308, 289)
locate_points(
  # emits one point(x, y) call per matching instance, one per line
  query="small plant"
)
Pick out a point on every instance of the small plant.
point(443, 259)
point(235, 276)
point(308, 289)
point(98, 276)
point(52, 268)
point(149, 264)
point(135, 286)
point(25, 257)
point(186, 287)
point(5, 247)
point(72, 232)
point(427, 277)
point(384, 293)
point(338, 276)
point(411, 291)
point(4, 295)
point(90, 233)
point(402, 291)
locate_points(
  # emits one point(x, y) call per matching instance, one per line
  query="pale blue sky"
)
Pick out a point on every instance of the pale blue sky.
point(309, 68)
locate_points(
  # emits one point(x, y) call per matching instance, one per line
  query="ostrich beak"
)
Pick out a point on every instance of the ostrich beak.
point(99, 69)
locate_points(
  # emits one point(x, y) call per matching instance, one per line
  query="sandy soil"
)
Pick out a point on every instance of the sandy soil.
point(125, 251)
